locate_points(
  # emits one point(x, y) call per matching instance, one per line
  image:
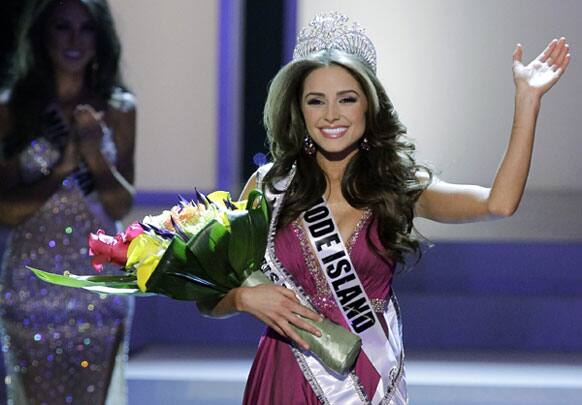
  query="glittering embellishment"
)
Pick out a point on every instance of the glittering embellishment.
point(396, 376)
point(271, 255)
point(378, 304)
point(332, 31)
point(317, 390)
point(37, 160)
point(323, 299)
point(309, 376)
point(58, 341)
point(363, 221)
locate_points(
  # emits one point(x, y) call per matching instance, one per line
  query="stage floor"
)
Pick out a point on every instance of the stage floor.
point(180, 376)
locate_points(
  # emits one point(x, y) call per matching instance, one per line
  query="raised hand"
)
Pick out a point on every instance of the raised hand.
point(544, 71)
point(88, 125)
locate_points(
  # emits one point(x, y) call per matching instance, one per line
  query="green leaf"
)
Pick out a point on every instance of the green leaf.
point(118, 285)
point(117, 291)
point(177, 259)
point(210, 248)
point(249, 231)
point(240, 252)
point(175, 286)
point(263, 207)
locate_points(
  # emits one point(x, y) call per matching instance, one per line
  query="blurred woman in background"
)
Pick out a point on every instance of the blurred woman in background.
point(67, 133)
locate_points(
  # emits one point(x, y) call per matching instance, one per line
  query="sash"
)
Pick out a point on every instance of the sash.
point(386, 355)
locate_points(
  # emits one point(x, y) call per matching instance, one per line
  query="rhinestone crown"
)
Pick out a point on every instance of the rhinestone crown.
point(332, 31)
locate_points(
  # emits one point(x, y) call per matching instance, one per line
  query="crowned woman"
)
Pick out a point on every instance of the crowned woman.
point(345, 188)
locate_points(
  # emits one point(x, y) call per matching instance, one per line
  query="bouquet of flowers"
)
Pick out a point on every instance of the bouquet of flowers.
point(199, 251)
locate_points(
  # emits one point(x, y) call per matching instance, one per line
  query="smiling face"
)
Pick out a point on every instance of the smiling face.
point(334, 109)
point(71, 37)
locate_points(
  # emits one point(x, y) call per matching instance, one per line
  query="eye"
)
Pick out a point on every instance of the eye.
point(89, 27)
point(314, 101)
point(348, 100)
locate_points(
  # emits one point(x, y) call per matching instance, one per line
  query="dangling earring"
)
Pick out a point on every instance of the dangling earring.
point(364, 144)
point(308, 145)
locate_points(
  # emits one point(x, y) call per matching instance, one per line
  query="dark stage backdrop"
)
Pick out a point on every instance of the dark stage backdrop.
point(264, 26)
point(9, 13)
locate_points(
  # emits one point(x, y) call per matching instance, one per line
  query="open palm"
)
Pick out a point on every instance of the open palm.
point(545, 70)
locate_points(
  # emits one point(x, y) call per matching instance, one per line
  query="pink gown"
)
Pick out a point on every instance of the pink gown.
point(275, 377)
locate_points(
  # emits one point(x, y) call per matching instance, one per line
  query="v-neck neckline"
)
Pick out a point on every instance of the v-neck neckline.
point(310, 258)
point(352, 239)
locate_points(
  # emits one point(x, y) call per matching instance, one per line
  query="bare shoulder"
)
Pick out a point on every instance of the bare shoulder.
point(121, 115)
point(5, 95)
point(122, 103)
point(429, 183)
point(428, 180)
point(256, 180)
point(424, 178)
point(250, 185)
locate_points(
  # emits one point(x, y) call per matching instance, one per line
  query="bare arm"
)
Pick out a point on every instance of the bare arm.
point(249, 186)
point(274, 305)
point(445, 202)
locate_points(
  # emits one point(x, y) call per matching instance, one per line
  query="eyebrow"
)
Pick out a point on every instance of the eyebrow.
point(339, 93)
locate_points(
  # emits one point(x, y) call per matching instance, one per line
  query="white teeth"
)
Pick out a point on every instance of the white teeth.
point(333, 131)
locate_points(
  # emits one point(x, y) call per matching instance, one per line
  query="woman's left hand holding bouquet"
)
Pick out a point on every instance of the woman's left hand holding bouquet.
point(275, 306)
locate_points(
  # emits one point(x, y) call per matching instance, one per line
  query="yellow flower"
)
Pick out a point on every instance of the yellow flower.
point(144, 254)
point(145, 270)
point(218, 198)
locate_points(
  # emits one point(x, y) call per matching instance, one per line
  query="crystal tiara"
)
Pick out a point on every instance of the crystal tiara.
point(332, 31)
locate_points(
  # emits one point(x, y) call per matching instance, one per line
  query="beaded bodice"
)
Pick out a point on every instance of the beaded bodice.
point(295, 253)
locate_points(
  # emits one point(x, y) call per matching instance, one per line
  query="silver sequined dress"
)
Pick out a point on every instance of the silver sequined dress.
point(61, 345)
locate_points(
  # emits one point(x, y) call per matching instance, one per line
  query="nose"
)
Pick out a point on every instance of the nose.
point(331, 113)
point(74, 36)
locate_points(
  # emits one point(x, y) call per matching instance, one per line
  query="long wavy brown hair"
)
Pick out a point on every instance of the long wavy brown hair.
point(383, 179)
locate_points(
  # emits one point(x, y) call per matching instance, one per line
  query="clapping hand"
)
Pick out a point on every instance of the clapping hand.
point(544, 71)
point(88, 125)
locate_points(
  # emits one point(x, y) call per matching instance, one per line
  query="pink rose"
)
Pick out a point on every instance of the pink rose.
point(111, 249)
